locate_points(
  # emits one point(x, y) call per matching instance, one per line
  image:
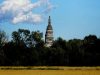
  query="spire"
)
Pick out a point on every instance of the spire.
point(49, 27)
point(49, 21)
point(49, 34)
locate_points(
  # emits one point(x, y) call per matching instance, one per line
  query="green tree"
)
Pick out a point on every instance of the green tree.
point(74, 52)
point(3, 38)
point(36, 38)
point(59, 43)
point(21, 36)
point(24, 34)
point(25, 37)
point(89, 43)
point(3, 41)
point(16, 37)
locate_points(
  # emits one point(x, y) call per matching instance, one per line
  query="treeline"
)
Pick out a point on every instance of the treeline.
point(28, 49)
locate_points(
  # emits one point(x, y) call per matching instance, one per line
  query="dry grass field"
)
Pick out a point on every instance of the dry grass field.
point(50, 72)
point(65, 71)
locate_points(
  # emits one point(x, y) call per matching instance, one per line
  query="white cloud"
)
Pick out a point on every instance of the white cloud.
point(49, 8)
point(29, 18)
point(18, 11)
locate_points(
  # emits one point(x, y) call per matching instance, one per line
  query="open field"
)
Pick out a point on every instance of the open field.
point(47, 68)
point(49, 72)
point(64, 71)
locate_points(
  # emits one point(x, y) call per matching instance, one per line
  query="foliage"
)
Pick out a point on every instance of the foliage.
point(3, 38)
point(28, 49)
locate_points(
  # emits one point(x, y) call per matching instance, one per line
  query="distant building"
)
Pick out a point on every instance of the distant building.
point(49, 34)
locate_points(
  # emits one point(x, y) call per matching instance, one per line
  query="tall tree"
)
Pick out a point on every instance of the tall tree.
point(36, 37)
point(3, 38)
point(3, 41)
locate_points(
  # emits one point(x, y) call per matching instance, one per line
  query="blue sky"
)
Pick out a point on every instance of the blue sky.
point(70, 19)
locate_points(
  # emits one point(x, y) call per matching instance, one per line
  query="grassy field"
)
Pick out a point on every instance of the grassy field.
point(61, 71)
point(50, 72)
point(48, 68)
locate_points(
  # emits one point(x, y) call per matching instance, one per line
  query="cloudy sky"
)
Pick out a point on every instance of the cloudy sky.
point(70, 18)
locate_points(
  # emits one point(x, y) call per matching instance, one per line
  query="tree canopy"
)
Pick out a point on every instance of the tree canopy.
point(27, 48)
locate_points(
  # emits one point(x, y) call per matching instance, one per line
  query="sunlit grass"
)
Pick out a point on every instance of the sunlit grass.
point(49, 70)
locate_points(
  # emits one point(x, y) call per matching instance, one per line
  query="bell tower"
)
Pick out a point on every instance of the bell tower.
point(49, 34)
